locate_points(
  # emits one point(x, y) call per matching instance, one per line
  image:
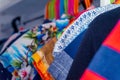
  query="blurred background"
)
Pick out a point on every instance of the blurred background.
point(30, 11)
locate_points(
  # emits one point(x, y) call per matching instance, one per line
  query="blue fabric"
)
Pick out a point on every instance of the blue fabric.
point(60, 66)
point(73, 47)
point(98, 30)
point(107, 63)
point(4, 74)
point(62, 7)
point(79, 25)
point(71, 39)
point(20, 34)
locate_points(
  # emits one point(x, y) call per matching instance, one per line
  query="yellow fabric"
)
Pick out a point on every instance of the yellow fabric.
point(43, 58)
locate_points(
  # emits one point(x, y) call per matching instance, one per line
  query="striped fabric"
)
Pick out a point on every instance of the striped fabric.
point(106, 63)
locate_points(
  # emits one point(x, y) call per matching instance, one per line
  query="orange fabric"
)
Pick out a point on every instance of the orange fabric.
point(46, 11)
point(87, 3)
point(43, 58)
point(90, 75)
point(47, 50)
point(41, 66)
point(117, 2)
point(76, 6)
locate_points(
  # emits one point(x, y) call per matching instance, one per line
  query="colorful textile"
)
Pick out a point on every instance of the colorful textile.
point(57, 9)
point(66, 6)
point(46, 11)
point(43, 58)
point(117, 2)
point(78, 26)
point(70, 7)
point(91, 42)
point(76, 7)
point(17, 57)
point(112, 1)
point(87, 3)
point(52, 9)
point(68, 32)
point(62, 10)
point(105, 64)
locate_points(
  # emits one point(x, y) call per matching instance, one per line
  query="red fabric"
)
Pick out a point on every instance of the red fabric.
point(90, 75)
point(57, 11)
point(113, 41)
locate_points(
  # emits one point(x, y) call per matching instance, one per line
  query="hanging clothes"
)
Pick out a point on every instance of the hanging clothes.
point(62, 10)
point(112, 1)
point(66, 6)
point(73, 30)
point(57, 9)
point(117, 2)
point(71, 7)
point(91, 41)
point(76, 7)
point(43, 58)
point(87, 3)
point(105, 64)
point(71, 33)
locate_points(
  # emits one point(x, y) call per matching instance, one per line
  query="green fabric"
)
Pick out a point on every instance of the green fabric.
point(111, 1)
point(52, 9)
point(66, 5)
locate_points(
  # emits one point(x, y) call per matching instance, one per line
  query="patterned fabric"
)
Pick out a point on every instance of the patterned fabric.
point(78, 26)
point(11, 40)
point(44, 58)
point(17, 58)
point(105, 64)
point(68, 35)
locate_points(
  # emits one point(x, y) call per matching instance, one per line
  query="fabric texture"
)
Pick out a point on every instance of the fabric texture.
point(60, 66)
point(78, 26)
point(17, 58)
point(77, 31)
point(92, 40)
point(105, 63)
